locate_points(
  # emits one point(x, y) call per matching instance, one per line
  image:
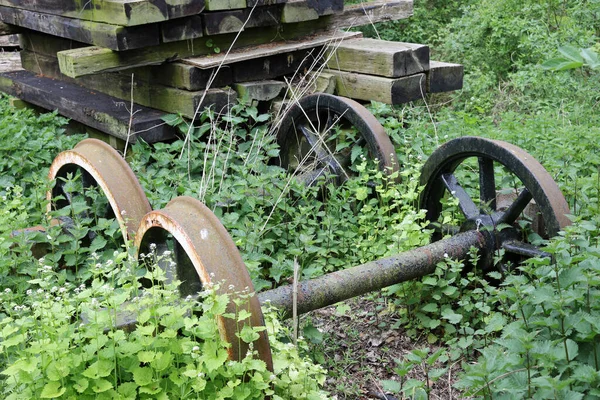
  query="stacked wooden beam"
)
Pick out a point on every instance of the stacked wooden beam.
point(95, 59)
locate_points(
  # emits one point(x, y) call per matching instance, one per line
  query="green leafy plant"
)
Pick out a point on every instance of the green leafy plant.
point(573, 57)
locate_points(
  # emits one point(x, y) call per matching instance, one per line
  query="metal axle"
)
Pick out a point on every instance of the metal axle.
point(345, 284)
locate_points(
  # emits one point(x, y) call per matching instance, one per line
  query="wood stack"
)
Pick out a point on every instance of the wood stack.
point(94, 60)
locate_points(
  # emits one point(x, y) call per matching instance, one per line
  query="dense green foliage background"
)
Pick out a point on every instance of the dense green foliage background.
point(533, 336)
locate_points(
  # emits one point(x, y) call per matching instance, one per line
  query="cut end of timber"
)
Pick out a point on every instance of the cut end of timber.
point(84, 61)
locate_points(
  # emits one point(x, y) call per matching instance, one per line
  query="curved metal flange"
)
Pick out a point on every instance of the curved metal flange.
point(305, 131)
point(537, 186)
point(204, 254)
point(104, 167)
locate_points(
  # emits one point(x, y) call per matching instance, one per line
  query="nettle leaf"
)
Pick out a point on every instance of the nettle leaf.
point(451, 316)
point(243, 314)
point(495, 323)
point(52, 390)
point(391, 386)
point(248, 334)
point(356, 151)
point(213, 355)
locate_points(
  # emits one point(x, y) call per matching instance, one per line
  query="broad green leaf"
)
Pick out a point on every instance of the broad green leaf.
point(128, 390)
point(591, 58)
point(57, 370)
point(52, 390)
point(172, 119)
point(99, 369)
point(81, 385)
point(571, 53)
point(163, 361)
point(561, 64)
point(142, 375)
point(361, 193)
point(101, 385)
point(146, 356)
point(430, 307)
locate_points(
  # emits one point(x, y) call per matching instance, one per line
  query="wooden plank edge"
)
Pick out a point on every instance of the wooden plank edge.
point(97, 110)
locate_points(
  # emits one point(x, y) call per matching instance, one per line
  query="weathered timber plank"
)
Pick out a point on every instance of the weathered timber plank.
point(9, 41)
point(372, 12)
point(184, 76)
point(182, 29)
point(144, 92)
point(322, 82)
point(91, 60)
point(94, 109)
point(379, 57)
point(259, 90)
point(219, 22)
point(118, 12)
point(276, 66)
point(46, 44)
point(252, 3)
point(444, 77)
point(377, 88)
point(269, 49)
point(307, 10)
point(184, 8)
point(100, 34)
point(217, 5)
point(10, 61)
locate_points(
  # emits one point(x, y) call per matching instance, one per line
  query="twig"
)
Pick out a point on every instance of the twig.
point(295, 299)
point(131, 113)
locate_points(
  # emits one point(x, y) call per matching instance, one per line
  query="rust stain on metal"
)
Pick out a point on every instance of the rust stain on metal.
point(111, 173)
point(211, 254)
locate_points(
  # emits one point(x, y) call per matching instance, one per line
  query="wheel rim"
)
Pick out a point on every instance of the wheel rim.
point(441, 175)
point(204, 254)
point(103, 167)
point(319, 135)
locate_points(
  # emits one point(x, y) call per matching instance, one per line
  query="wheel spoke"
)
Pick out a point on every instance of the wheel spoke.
point(523, 249)
point(487, 185)
point(516, 208)
point(466, 204)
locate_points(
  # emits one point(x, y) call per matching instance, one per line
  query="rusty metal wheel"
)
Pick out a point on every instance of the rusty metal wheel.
point(496, 186)
point(326, 134)
point(203, 254)
point(100, 166)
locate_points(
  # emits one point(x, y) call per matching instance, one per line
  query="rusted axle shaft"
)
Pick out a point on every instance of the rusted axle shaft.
point(343, 285)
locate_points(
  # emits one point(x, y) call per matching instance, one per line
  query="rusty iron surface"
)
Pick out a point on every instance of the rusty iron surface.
point(538, 192)
point(345, 284)
point(305, 128)
point(111, 173)
point(539, 183)
point(204, 255)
